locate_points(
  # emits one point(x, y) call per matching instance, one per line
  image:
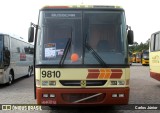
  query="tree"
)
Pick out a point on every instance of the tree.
point(139, 47)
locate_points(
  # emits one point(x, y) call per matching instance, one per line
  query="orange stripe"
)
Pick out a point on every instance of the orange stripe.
point(102, 73)
point(108, 74)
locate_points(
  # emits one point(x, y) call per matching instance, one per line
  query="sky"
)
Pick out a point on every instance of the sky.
point(142, 15)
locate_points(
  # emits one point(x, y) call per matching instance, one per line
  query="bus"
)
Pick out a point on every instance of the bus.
point(134, 57)
point(145, 57)
point(130, 58)
point(138, 57)
point(81, 55)
point(154, 55)
point(16, 58)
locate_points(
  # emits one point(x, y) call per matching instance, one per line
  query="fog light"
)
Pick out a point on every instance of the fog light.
point(113, 82)
point(114, 95)
point(52, 95)
point(121, 95)
point(45, 95)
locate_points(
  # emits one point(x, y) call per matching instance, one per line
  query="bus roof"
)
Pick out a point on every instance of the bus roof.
point(83, 7)
point(155, 32)
point(15, 37)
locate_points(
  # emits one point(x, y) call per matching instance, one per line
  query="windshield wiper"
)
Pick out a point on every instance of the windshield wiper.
point(95, 54)
point(65, 52)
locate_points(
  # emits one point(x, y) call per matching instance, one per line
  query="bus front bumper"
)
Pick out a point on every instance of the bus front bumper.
point(155, 75)
point(2, 77)
point(145, 62)
point(84, 96)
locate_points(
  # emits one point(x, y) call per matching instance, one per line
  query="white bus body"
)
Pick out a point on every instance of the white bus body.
point(16, 58)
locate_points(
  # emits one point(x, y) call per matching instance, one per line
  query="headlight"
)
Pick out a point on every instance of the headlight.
point(121, 82)
point(52, 83)
point(44, 83)
point(117, 82)
point(113, 82)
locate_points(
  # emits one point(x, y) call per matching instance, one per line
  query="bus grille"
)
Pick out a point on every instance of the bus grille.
point(83, 97)
point(78, 82)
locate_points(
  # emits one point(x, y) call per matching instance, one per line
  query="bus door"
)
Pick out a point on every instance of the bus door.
point(6, 52)
point(1, 51)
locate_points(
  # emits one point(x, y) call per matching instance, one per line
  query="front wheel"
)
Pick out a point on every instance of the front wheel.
point(30, 70)
point(10, 79)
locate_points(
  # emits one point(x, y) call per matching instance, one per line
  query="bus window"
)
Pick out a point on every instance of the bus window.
point(157, 42)
point(6, 51)
point(105, 36)
point(152, 45)
point(154, 56)
point(1, 50)
point(57, 32)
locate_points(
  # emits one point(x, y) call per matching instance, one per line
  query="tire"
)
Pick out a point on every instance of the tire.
point(11, 79)
point(30, 70)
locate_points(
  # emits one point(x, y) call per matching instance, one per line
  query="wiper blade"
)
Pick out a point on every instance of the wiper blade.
point(95, 54)
point(65, 52)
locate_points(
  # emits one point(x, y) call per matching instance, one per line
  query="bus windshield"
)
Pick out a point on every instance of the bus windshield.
point(1, 49)
point(146, 55)
point(138, 55)
point(96, 37)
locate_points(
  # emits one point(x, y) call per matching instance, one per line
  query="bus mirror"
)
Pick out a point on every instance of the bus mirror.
point(30, 34)
point(130, 37)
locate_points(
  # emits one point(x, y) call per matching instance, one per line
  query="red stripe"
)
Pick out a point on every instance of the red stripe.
point(93, 70)
point(116, 73)
point(92, 75)
point(116, 70)
point(155, 75)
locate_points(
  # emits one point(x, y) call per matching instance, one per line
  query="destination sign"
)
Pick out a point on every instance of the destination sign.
point(63, 15)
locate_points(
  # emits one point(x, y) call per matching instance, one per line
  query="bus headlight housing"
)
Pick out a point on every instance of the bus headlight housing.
point(121, 82)
point(113, 82)
point(52, 83)
point(117, 82)
point(48, 83)
point(44, 83)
